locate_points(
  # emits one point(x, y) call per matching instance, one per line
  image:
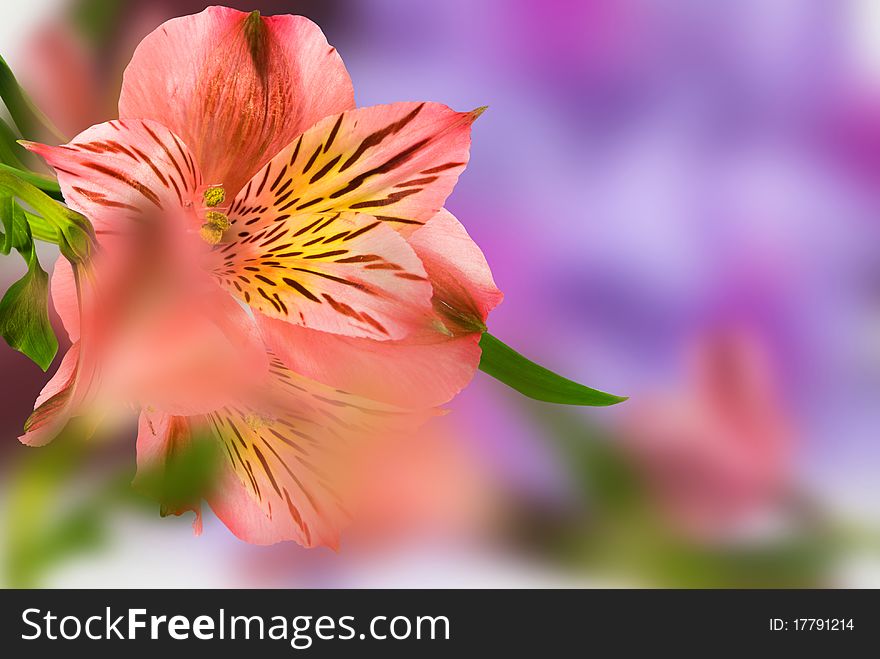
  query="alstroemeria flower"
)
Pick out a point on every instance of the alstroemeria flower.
point(717, 455)
point(240, 175)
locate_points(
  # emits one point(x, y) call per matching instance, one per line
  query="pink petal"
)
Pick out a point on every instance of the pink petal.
point(289, 470)
point(56, 402)
point(163, 332)
point(117, 172)
point(236, 87)
point(188, 356)
point(343, 273)
point(434, 363)
point(396, 162)
point(406, 373)
point(464, 290)
point(65, 298)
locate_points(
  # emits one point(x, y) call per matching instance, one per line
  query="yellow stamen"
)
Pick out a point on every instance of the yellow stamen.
point(214, 196)
point(210, 234)
point(214, 227)
point(219, 220)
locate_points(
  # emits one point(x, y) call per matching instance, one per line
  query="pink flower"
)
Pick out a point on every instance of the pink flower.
point(265, 247)
point(717, 455)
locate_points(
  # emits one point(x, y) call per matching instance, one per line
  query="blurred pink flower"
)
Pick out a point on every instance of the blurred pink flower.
point(241, 175)
point(62, 77)
point(430, 488)
point(718, 453)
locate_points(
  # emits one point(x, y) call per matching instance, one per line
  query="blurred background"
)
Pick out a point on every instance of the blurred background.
point(680, 202)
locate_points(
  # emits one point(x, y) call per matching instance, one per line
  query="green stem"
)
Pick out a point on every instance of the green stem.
point(41, 181)
point(71, 231)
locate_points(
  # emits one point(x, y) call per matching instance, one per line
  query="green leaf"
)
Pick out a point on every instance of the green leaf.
point(16, 232)
point(24, 311)
point(10, 151)
point(505, 364)
point(56, 223)
point(45, 183)
point(27, 117)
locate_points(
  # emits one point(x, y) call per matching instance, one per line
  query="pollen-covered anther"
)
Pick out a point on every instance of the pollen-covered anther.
point(214, 196)
point(214, 227)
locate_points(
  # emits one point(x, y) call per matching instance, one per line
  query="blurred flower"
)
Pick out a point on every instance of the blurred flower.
point(63, 78)
point(717, 454)
point(354, 275)
point(429, 488)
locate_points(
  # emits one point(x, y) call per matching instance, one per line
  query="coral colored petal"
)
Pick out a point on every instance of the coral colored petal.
point(289, 470)
point(464, 290)
point(56, 402)
point(396, 162)
point(236, 87)
point(431, 365)
point(344, 273)
point(117, 172)
point(426, 372)
point(192, 356)
point(65, 298)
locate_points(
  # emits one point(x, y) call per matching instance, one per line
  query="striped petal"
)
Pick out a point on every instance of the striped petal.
point(57, 401)
point(236, 87)
point(116, 172)
point(345, 273)
point(432, 364)
point(396, 162)
point(287, 472)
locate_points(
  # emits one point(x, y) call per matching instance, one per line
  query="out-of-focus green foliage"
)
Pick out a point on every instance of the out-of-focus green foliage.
point(54, 514)
point(95, 20)
point(38, 534)
point(620, 533)
point(187, 475)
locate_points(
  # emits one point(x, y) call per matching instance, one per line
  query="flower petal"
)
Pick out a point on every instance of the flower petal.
point(397, 162)
point(116, 172)
point(345, 273)
point(185, 356)
point(236, 87)
point(56, 402)
point(464, 290)
point(431, 365)
point(288, 471)
point(423, 372)
point(65, 298)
